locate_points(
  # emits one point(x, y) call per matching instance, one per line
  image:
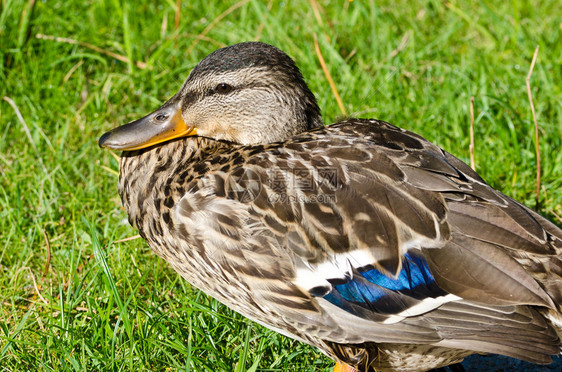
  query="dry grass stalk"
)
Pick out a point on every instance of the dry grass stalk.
point(528, 82)
point(316, 10)
point(401, 46)
point(127, 239)
point(262, 23)
point(66, 40)
point(177, 21)
point(34, 282)
point(27, 132)
point(214, 22)
point(471, 148)
point(177, 16)
point(48, 263)
point(328, 76)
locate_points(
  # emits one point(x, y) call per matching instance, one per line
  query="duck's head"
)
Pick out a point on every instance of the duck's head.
point(246, 93)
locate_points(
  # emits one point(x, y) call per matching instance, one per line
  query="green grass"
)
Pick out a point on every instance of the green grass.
point(93, 304)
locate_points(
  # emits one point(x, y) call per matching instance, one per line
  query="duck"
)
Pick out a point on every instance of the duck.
point(359, 238)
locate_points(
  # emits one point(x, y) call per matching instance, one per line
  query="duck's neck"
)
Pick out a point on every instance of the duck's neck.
point(160, 175)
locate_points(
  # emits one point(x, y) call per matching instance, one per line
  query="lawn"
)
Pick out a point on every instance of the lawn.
point(75, 294)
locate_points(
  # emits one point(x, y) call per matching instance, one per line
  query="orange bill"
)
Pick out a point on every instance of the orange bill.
point(162, 125)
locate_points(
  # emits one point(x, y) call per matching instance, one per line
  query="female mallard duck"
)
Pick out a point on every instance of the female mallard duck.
point(360, 238)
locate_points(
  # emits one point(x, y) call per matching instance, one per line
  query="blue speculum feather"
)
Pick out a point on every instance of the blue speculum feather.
point(371, 290)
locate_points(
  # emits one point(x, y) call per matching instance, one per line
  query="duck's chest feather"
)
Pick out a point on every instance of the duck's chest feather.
point(172, 195)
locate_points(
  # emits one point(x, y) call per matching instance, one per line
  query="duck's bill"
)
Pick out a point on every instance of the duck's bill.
point(162, 125)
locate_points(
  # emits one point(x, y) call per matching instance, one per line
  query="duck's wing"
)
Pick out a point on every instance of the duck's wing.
point(363, 232)
point(373, 201)
point(496, 246)
point(475, 243)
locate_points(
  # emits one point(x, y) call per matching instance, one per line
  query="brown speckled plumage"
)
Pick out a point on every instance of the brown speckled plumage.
point(259, 224)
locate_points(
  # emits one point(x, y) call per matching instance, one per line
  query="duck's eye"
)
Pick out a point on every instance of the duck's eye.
point(223, 88)
point(161, 117)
